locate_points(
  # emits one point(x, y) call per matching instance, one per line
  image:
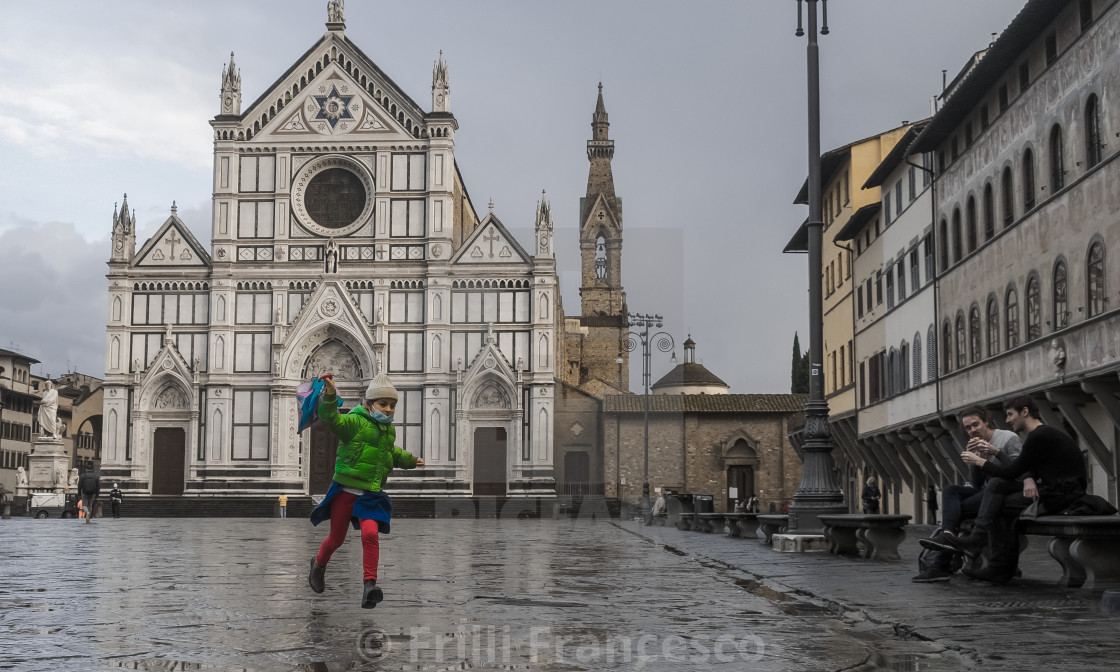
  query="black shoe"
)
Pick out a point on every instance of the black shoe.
point(371, 595)
point(994, 575)
point(931, 576)
point(938, 542)
point(971, 545)
point(317, 577)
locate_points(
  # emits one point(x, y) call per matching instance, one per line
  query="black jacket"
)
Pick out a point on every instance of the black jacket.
point(115, 495)
point(88, 484)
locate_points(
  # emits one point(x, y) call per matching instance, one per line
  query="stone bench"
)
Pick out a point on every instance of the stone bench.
point(772, 523)
point(1087, 548)
point(684, 521)
point(708, 522)
point(743, 525)
point(879, 533)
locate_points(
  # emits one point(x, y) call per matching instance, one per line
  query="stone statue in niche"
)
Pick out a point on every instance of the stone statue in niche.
point(332, 256)
point(73, 483)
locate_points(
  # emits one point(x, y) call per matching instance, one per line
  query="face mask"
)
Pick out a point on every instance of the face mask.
point(382, 418)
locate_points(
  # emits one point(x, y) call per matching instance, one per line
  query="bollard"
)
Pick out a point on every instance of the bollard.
point(7, 515)
point(1110, 602)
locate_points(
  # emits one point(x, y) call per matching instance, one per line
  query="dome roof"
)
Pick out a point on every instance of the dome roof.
point(689, 374)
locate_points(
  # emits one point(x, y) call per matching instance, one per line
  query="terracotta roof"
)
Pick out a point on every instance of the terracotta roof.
point(11, 353)
point(706, 403)
point(689, 373)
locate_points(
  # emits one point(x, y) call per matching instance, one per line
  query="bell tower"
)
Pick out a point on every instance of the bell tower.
point(602, 299)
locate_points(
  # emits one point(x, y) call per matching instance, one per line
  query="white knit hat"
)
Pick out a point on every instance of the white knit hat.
point(381, 388)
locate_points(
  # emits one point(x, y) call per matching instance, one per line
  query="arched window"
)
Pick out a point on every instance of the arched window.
point(1095, 279)
point(1092, 132)
point(892, 373)
point(958, 241)
point(989, 212)
point(1061, 296)
point(917, 368)
point(974, 334)
point(1012, 307)
point(1008, 197)
point(1057, 162)
point(970, 223)
point(600, 258)
point(962, 344)
point(1028, 179)
point(943, 244)
point(993, 326)
point(947, 346)
point(931, 357)
point(1034, 309)
point(903, 369)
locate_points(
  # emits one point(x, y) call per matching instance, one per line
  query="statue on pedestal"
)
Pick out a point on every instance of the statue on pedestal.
point(48, 411)
point(21, 477)
point(73, 483)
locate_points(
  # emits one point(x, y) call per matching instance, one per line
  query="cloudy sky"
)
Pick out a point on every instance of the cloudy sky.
point(706, 103)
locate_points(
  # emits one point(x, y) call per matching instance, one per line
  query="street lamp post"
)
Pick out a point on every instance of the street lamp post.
point(818, 493)
point(664, 343)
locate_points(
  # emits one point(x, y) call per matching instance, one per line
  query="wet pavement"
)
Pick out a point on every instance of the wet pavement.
point(1030, 624)
point(232, 594)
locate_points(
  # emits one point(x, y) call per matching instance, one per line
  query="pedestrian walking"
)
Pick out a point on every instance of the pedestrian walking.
point(115, 499)
point(871, 496)
point(931, 503)
point(366, 456)
point(89, 487)
point(283, 505)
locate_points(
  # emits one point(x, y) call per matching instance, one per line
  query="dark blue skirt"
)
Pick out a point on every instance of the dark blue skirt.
point(369, 506)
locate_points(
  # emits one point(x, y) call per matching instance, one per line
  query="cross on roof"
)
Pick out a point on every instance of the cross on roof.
point(173, 241)
point(491, 237)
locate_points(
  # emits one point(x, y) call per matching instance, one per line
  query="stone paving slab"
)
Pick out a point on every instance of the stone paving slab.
point(1028, 624)
point(231, 594)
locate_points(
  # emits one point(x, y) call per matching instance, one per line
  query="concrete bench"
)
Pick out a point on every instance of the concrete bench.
point(1087, 548)
point(743, 525)
point(684, 521)
point(772, 523)
point(880, 534)
point(708, 522)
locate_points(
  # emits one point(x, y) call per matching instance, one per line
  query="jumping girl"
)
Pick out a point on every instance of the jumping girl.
point(366, 455)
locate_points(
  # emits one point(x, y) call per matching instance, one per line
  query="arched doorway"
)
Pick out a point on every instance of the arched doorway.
point(490, 461)
point(741, 460)
point(320, 446)
point(169, 457)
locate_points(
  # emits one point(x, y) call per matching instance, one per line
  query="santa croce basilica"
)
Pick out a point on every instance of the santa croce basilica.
point(343, 239)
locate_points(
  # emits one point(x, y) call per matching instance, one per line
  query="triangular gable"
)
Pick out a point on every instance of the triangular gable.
point(168, 363)
point(490, 243)
point(333, 90)
point(601, 215)
point(488, 364)
point(172, 245)
point(329, 305)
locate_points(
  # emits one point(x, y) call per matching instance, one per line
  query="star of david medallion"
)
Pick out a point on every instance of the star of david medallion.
point(333, 106)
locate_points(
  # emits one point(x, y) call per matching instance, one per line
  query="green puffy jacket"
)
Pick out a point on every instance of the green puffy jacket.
point(366, 453)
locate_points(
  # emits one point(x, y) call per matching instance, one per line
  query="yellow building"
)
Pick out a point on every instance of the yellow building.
point(843, 171)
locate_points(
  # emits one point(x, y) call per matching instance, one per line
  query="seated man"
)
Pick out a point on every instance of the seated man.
point(1054, 459)
point(960, 502)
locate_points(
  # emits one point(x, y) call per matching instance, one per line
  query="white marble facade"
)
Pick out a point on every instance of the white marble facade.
point(342, 240)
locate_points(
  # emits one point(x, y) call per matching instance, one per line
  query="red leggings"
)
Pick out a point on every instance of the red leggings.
point(342, 508)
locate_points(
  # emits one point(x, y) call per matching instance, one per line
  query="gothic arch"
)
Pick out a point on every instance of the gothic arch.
point(739, 448)
point(295, 358)
point(116, 309)
point(334, 356)
point(167, 392)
